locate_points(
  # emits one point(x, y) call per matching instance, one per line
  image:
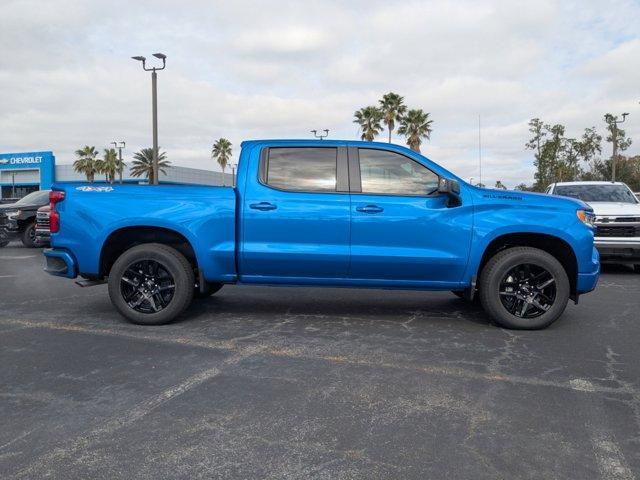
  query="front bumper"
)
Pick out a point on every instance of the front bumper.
point(618, 248)
point(11, 226)
point(587, 282)
point(60, 263)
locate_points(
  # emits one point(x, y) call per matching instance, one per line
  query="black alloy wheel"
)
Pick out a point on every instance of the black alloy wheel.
point(147, 286)
point(528, 291)
point(524, 288)
point(29, 236)
point(151, 284)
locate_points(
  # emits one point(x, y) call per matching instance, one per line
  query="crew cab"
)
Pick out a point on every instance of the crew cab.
point(326, 214)
point(617, 221)
point(19, 219)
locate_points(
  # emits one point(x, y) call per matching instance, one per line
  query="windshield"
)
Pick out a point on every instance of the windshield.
point(597, 193)
point(34, 198)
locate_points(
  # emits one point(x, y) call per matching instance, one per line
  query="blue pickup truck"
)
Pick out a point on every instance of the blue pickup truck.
point(326, 213)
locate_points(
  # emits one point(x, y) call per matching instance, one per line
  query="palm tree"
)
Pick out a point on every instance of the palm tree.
point(109, 164)
point(415, 126)
point(221, 152)
point(143, 163)
point(393, 108)
point(499, 185)
point(369, 119)
point(86, 162)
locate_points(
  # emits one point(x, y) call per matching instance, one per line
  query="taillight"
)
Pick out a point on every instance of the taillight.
point(55, 196)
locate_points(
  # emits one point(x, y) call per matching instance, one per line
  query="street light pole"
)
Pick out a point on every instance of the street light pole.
point(614, 134)
point(119, 147)
point(154, 107)
point(233, 174)
point(321, 136)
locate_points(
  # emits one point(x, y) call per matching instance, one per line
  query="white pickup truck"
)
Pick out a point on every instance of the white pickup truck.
point(617, 212)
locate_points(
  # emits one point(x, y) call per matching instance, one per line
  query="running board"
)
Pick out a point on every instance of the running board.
point(89, 283)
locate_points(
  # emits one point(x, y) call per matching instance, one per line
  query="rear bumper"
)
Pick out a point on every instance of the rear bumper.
point(60, 263)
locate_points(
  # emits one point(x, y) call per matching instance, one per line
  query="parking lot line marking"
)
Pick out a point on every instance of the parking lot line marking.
point(124, 419)
point(121, 420)
point(17, 439)
point(232, 345)
point(611, 461)
point(8, 276)
point(18, 257)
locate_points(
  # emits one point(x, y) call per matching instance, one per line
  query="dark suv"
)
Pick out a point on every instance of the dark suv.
point(19, 218)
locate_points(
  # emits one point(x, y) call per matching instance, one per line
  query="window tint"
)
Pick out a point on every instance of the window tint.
point(391, 173)
point(302, 169)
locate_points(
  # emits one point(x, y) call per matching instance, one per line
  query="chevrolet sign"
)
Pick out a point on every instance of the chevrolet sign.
point(21, 160)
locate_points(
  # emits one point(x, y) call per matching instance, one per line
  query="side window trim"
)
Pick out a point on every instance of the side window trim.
point(342, 170)
point(356, 181)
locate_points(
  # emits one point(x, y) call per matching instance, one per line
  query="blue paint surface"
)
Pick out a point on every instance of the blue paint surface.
point(324, 238)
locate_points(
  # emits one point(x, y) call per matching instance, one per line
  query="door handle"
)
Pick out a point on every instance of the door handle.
point(370, 209)
point(264, 206)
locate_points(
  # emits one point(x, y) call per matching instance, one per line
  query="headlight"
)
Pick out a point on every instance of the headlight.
point(13, 214)
point(588, 218)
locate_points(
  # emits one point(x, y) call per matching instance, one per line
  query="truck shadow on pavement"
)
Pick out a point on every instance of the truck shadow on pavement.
point(343, 304)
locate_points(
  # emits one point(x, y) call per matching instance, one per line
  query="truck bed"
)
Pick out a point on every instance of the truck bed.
point(204, 215)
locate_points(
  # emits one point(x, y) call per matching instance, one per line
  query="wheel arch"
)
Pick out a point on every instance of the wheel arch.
point(555, 246)
point(125, 238)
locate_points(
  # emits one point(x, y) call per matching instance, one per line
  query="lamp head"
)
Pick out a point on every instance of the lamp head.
point(139, 58)
point(161, 56)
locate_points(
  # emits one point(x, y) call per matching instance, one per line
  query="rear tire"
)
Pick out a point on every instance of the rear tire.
point(28, 236)
point(151, 284)
point(519, 273)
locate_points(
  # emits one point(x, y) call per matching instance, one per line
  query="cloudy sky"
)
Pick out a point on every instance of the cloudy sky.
point(272, 69)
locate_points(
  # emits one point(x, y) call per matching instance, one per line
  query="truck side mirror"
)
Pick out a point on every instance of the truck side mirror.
point(448, 186)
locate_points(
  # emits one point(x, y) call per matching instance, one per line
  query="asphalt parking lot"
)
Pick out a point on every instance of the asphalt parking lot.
point(311, 383)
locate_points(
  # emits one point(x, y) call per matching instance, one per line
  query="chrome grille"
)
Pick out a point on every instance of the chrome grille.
point(617, 231)
point(42, 221)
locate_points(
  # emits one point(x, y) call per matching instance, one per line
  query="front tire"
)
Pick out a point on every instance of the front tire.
point(28, 236)
point(151, 284)
point(524, 288)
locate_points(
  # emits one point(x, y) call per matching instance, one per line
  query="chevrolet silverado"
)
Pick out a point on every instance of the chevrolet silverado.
point(326, 213)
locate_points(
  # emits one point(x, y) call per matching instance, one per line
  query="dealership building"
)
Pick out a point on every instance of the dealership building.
point(23, 173)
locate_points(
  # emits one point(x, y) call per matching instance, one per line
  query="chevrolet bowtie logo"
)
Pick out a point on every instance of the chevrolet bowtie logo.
point(4, 161)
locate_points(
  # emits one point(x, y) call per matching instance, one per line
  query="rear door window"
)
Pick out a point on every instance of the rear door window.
point(302, 169)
